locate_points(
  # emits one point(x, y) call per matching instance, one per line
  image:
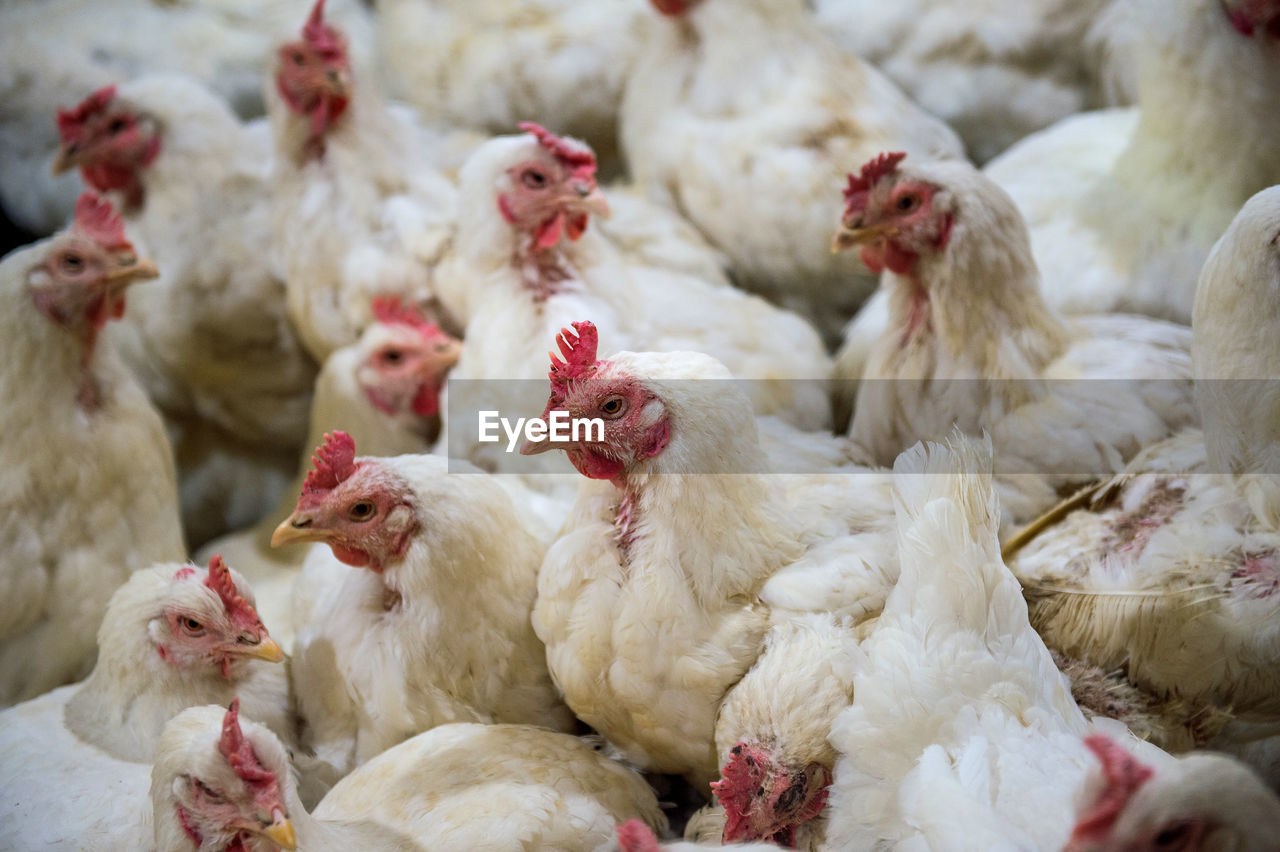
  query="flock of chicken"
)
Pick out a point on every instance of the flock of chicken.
point(1001, 573)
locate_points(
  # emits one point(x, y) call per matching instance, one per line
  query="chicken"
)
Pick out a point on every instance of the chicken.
point(527, 263)
point(211, 341)
point(434, 626)
point(970, 341)
point(750, 151)
point(492, 63)
point(462, 786)
point(54, 51)
point(383, 390)
point(173, 637)
point(635, 836)
point(359, 209)
point(88, 495)
point(1123, 206)
point(657, 596)
point(1171, 569)
point(995, 71)
point(963, 735)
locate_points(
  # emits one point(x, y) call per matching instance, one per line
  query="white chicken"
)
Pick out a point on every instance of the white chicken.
point(359, 208)
point(492, 63)
point(970, 341)
point(173, 637)
point(751, 149)
point(88, 494)
point(54, 51)
point(994, 70)
point(384, 390)
point(211, 340)
point(1171, 570)
point(962, 734)
point(656, 598)
point(1124, 205)
point(527, 264)
point(432, 626)
point(223, 780)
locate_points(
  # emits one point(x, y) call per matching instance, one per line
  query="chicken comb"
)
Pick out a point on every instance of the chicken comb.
point(239, 753)
point(578, 346)
point(333, 463)
point(392, 310)
point(739, 779)
point(855, 193)
point(242, 613)
point(1123, 776)
point(635, 836)
point(71, 121)
point(575, 155)
point(321, 36)
point(96, 219)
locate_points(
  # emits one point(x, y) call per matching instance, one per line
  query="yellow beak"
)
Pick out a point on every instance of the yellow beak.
point(141, 270)
point(268, 649)
point(67, 158)
point(847, 237)
point(297, 528)
point(281, 834)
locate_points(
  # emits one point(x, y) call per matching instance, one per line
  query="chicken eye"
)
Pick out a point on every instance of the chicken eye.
point(1173, 837)
point(392, 356)
point(116, 125)
point(190, 625)
point(533, 179)
point(362, 510)
point(297, 57)
point(207, 791)
point(613, 407)
point(908, 202)
point(71, 263)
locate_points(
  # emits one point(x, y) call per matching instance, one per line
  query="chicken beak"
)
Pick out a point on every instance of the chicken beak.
point(846, 237)
point(281, 833)
point(268, 649)
point(442, 359)
point(67, 158)
point(546, 445)
point(298, 528)
point(589, 198)
point(139, 270)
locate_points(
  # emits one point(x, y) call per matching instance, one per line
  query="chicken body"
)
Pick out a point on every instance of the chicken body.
point(1123, 206)
point(995, 71)
point(1171, 570)
point(653, 602)
point(963, 734)
point(970, 342)
point(359, 208)
point(89, 495)
point(434, 627)
point(750, 151)
point(493, 63)
point(73, 750)
point(461, 786)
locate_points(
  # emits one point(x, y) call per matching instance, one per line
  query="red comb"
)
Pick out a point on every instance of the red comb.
point(877, 167)
point(635, 836)
point(321, 36)
point(575, 155)
point(392, 310)
point(333, 463)
point(71, 121)
point(1123, 775)
point(242, 613)
point(739, 779)
point(96, 219)
point(239, 753)
point(579, 350)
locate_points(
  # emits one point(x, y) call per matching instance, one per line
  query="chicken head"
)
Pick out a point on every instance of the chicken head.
point(552, 193)
point(1254, 17)
point(404, 360)
point(206, 622)
point(110, 142)
point(764, 799)
point(1200, 802)
point(231, 799)
point(313, 73)
point(636, 422)
point(894, 219)
point(362, 510)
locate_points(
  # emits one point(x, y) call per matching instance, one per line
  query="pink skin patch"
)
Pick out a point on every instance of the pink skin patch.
point(635, 836)
point(672, 7)
point(118, 151)
point(1258, 575)
point(558, 196)
point(312, 77)
point(1248, 17)
point(1123, 776)
point(423, 362)
point(766, 801)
